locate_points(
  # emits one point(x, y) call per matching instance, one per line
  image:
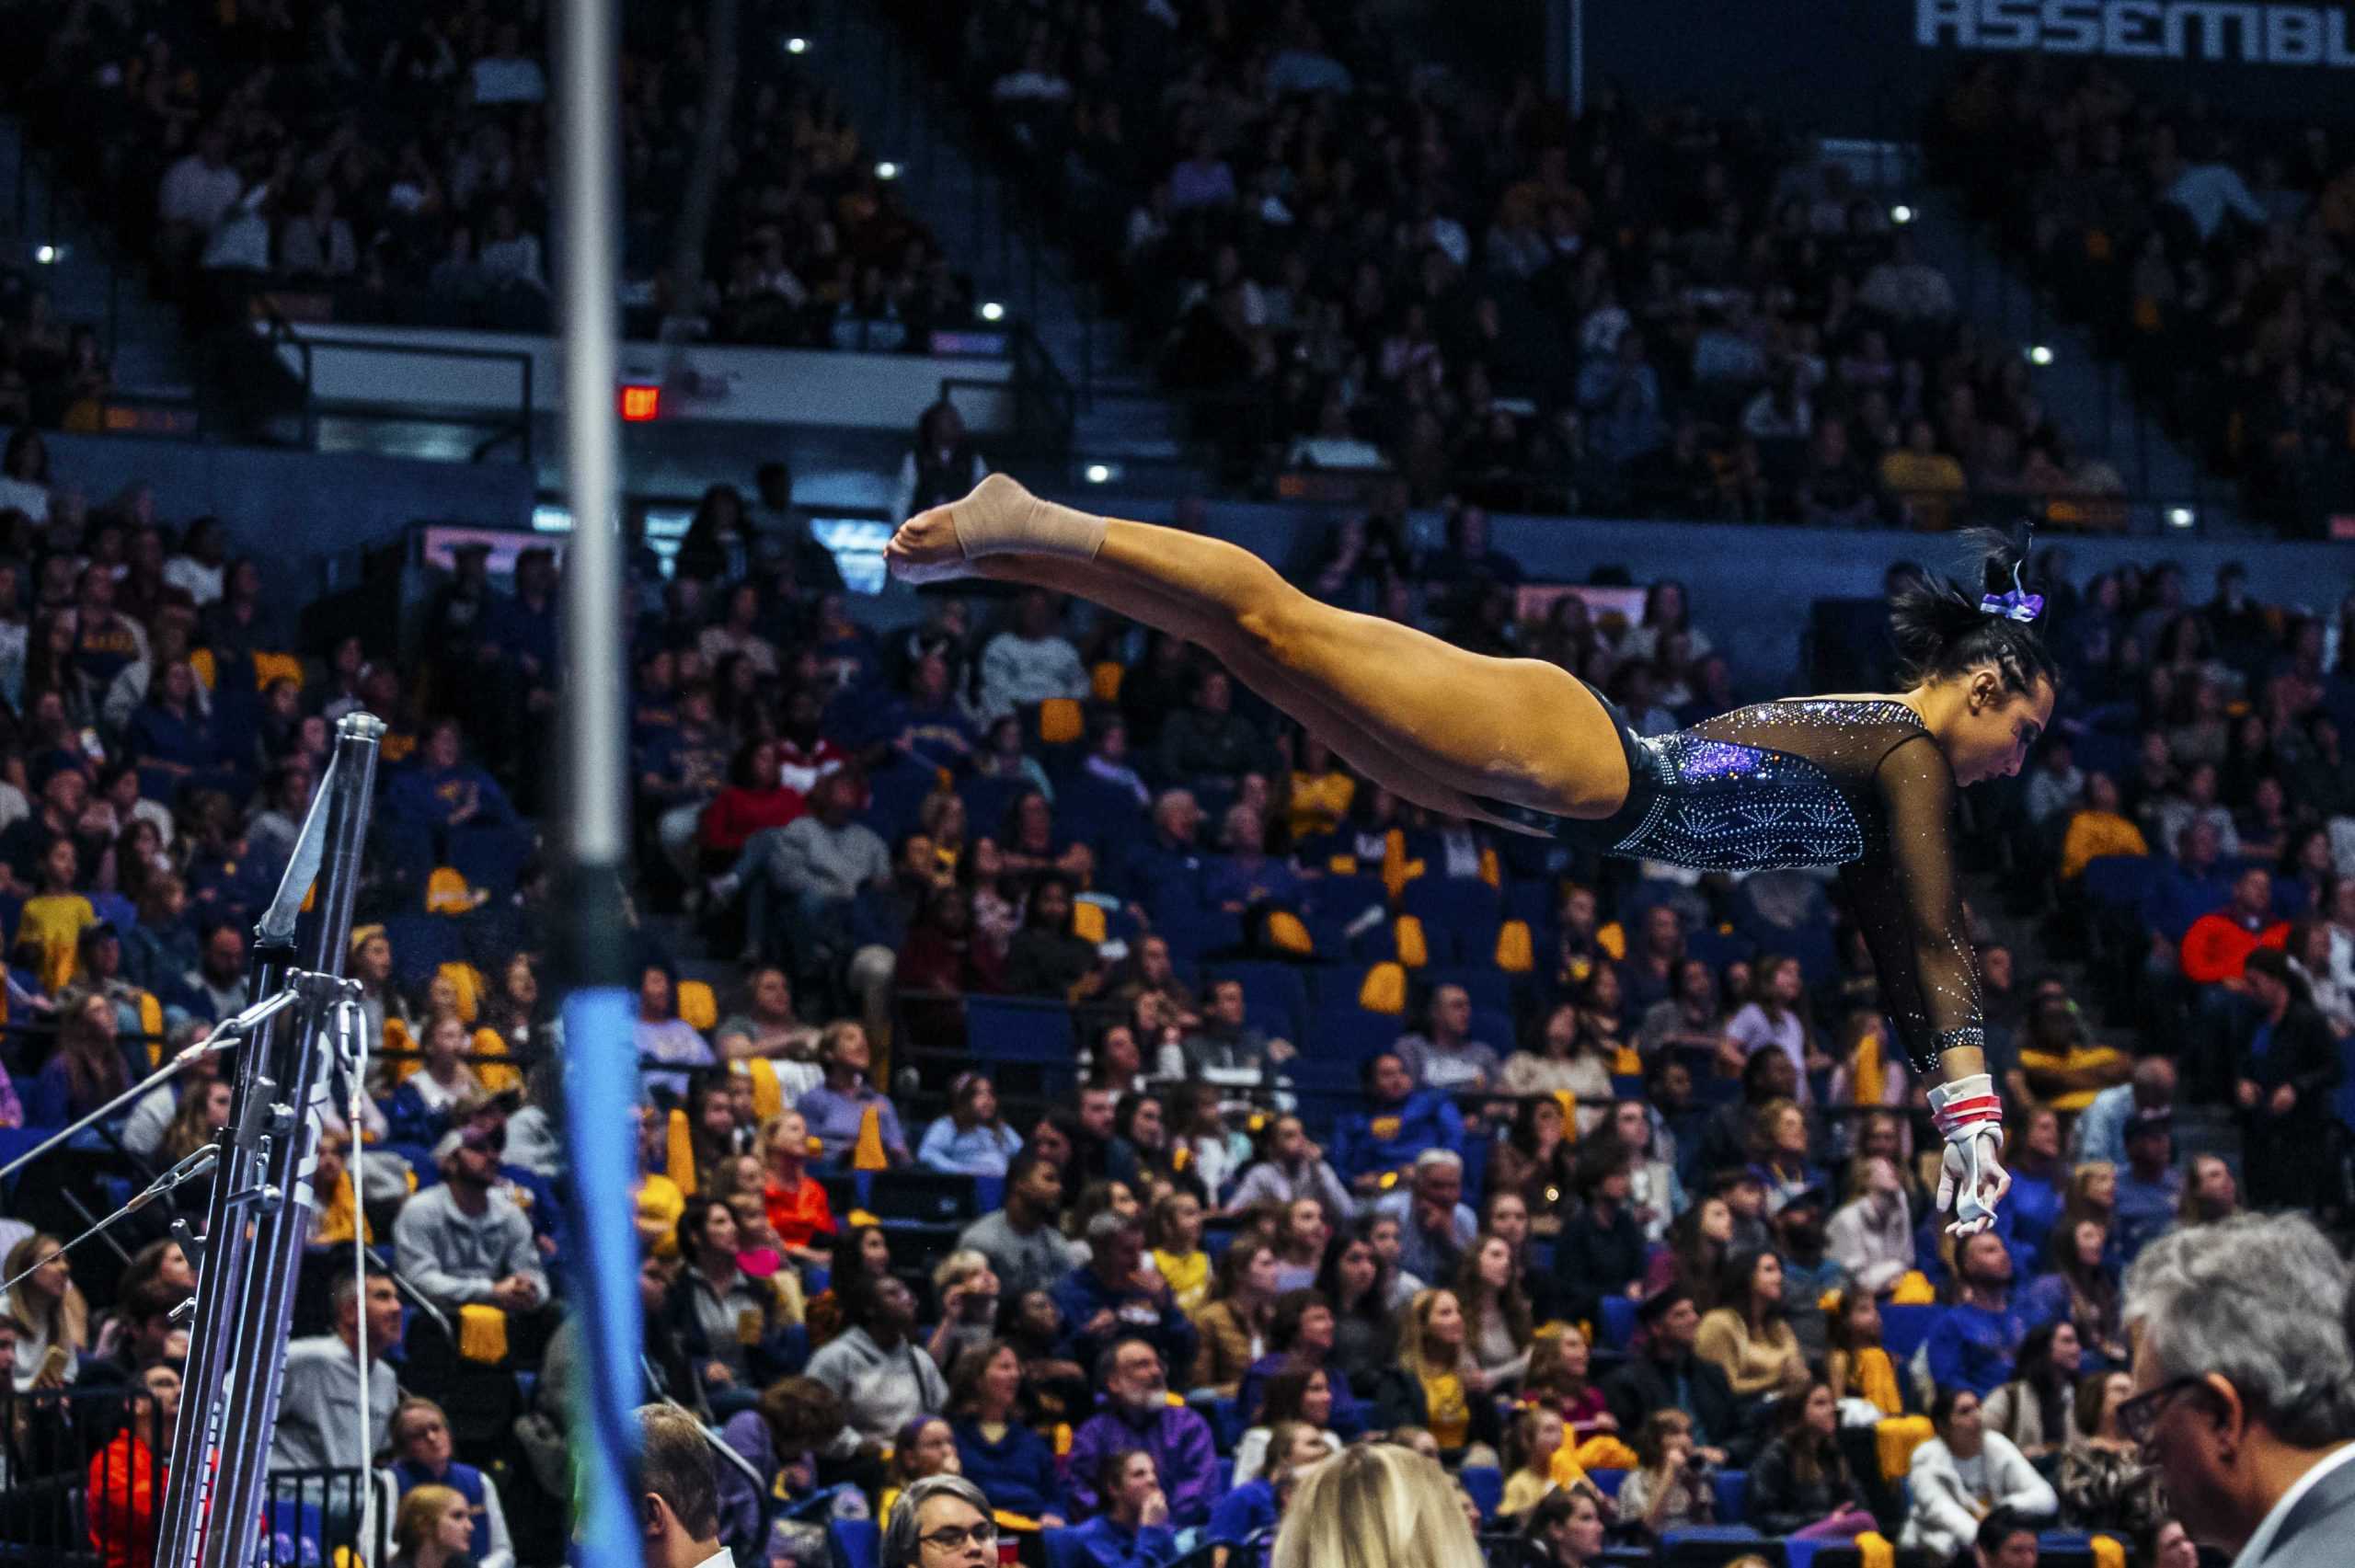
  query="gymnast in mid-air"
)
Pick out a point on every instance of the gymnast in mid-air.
point(1866, 782)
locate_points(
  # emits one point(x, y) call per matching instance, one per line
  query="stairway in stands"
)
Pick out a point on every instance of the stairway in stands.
point(985, 227)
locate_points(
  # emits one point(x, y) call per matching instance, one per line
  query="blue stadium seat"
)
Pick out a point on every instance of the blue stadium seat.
point(1489, 987)
point(1484, 1482)
point(2120, 881)
point(987, 801)
point(895, 797)
point(1902, 1330)
point(932, 1197)
point(1006, 1029)
point(1618, 1322)
point(1733, 1491)
point(422, 944)
point(1718, 948)
point(1606, 1481)
point(490, 857)
point(1449, 907)
point(1064, 1549)
point(850, 1543)
point(1279, 988)
point(1090, 809)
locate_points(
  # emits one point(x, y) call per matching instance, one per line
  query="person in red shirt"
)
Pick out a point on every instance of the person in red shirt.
point(126, 1492)
point(798, 1211)
point(2217, 946)
point(753, 800)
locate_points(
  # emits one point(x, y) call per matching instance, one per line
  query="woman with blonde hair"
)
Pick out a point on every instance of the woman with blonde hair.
point(1436, 1384)
point(53, 1320)
point(1378, 1505)
point(432, 1528)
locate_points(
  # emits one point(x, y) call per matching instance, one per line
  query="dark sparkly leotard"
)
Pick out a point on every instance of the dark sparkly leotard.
point(1820, 781)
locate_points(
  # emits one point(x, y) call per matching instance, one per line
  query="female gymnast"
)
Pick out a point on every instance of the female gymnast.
point(1866, 783)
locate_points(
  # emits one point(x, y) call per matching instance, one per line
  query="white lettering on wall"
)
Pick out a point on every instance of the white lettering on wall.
point(2241, 31)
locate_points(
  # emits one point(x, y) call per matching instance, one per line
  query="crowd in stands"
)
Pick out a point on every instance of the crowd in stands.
point(1118, 1101)
point(1353, 257)
point(2209, 255)
point(395, 166)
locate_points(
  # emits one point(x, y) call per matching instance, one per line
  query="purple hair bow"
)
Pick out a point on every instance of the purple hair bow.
point(2015, 605)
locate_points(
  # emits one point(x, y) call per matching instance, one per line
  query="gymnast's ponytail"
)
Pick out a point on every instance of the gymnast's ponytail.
point(1945, 629)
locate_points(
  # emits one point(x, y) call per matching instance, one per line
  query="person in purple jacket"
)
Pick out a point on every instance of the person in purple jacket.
point(1136, 1413)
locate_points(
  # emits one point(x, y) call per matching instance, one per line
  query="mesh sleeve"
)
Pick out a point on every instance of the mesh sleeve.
point(1910, 904)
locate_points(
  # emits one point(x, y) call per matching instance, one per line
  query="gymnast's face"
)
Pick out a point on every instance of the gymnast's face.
point(1993, 730)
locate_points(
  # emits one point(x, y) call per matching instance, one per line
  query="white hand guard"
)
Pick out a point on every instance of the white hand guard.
point(1970, 1116)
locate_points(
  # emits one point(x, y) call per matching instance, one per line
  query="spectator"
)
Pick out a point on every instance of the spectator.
point(1047, 957)
point(1136, 1413)
point(2007, 1539)
point(2291, 1067)
point(322, 1380)
point(1666, 1374)
point(678, 1506)
point(967, 1294)
point(1434, 1224)
point(1114, 1295)
point(2037, 1410)
point(837, 1111)
point(1972, 1344)
point(2097, 829)
point(1233, 1325)
point(1208, 746)
point(127, 1477)
point(2100, 1132)
point(1775, 1018)
point(995, 1448)
point(2150, 1189)
point(425, 1458)
point(1871, 1236)
point(463, 1240)
point(2218, 944)
point(1749, 1335)
point(1029, 662)
point(1290, 1167)
point(1800, 1484)
point(1132, 1530)
point(1601, 1247)
point(730, 1323)
point(1437, 1384)
point(1402, 1123)
point(1963, 1474)
point(972, 1138)
point(1445, 1059)
point(942, 466)
point(818, 863)
point(663, 1036)
point(1025, 1249)
point(883, 1378)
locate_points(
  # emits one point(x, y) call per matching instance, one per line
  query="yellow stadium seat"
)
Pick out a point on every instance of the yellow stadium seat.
point(1414, 950)
point(482, 1333)
point(1492, 871)
point(1087, 921)
point(1894, 1440)
point(697, 1006)
point(1612, 940)
point(1105, 678)
point(1060, 721)
point(1516, 948)
point(1384, 989)
point(151, 1023)
point(270, 667)
point(679, 1153)
point(200, 661)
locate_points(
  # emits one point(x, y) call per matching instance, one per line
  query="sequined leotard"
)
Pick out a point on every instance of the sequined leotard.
point(1855, 784)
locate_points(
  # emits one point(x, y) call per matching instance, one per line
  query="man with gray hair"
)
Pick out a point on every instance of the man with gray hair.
point(2244, 1391)
point(1434, 1223)
point(941, 1521)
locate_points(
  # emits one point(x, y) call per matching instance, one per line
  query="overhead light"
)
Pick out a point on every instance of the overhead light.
point(1900, 214)
point(1098, 473)
point(796, 46)
point(2181, 517)
point(993, 311)
point(46, 255)
point(2039, 355)
point(887, 170)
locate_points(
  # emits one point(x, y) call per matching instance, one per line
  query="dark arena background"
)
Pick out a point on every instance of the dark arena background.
point(907, 1029)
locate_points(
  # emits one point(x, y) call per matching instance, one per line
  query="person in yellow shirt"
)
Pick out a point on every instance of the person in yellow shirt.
point(1929, 482)
point(54, 918)
point(2098, 827)
point(1321, 791)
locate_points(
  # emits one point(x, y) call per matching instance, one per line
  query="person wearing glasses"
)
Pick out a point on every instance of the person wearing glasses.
point(1962, 1475)
point(2242, 1398)
point(941, 1521)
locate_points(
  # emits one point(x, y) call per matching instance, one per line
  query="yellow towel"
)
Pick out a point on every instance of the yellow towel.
point(1569, 1100)
point(697, 1006)
point(1385, 989)
point(1875, 1380)
point(1286, 931)
point(1868, 1074)
point(2109, 1551)
point(495, 1077)
point(1060, 722)
point(1414, 950)
point(1914, 1289)
point(1895, 1439)
point(768, 1096)
point(868, 1153)
point(1876, 1549)
point(482, 1333)
point(1516, 950)
point(679, 1154)
point(1602, 1451)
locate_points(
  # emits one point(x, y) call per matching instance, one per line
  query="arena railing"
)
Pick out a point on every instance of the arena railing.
point(73, 1492)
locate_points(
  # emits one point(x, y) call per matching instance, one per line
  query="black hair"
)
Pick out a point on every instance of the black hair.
point(1941, 631)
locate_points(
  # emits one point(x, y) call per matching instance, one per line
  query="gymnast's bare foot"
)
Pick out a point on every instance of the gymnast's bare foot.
point(1000, 518)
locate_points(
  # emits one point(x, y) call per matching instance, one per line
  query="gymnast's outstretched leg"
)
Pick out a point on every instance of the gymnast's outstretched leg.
point(1518, 730)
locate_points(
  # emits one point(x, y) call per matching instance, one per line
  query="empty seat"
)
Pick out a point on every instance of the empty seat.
point(1004, 1029)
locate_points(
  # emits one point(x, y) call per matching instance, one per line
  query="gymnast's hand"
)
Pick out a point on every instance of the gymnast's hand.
point(1971, 1179)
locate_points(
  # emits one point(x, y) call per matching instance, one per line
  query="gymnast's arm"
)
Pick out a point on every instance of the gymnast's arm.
point(1923, 929)
point(1945, 1036)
